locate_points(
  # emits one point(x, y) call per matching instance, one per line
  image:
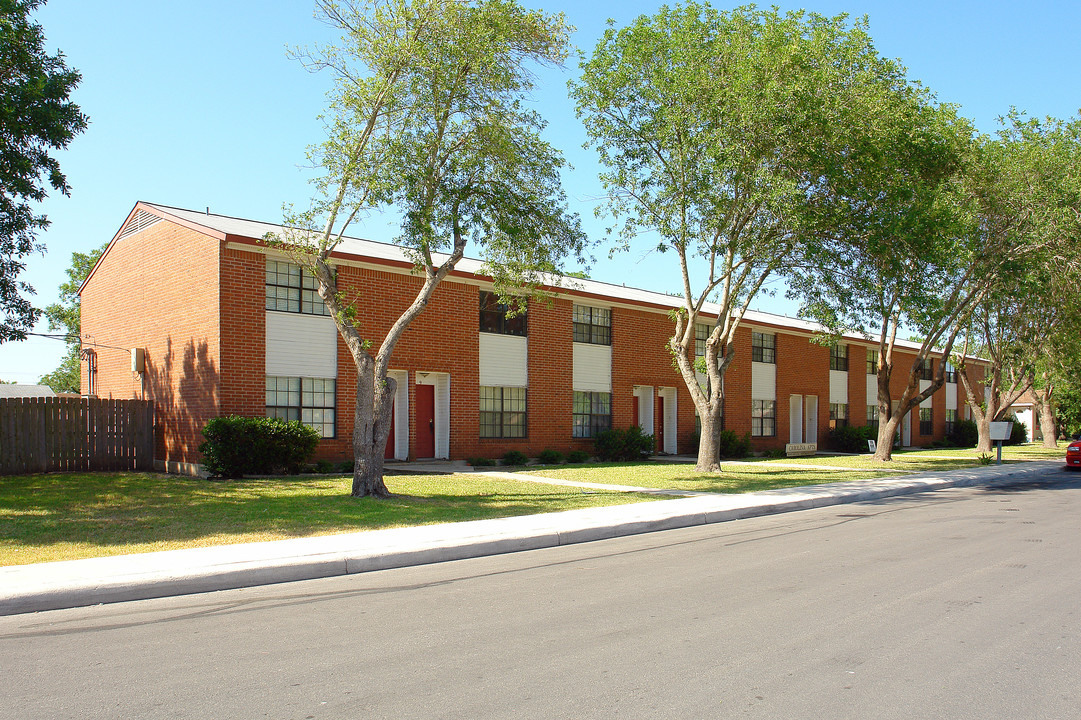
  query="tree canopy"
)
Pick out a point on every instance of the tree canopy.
point(428, 116)
point(746, 143)
point(64, 315)
point(36, 118)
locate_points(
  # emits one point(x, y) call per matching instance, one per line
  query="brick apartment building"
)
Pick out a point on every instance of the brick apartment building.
point(225, 325)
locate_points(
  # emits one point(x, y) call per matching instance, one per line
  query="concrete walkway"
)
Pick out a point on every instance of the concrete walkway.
point(76, 583)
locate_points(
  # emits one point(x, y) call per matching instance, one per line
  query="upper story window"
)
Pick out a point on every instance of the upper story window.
point(592, 325)
point(927, 369)
point(951, 373)
point(763, 347)
point(839, 357)
point(872, 362)
point(701, 334)
point(493, 316)
point(291, 288)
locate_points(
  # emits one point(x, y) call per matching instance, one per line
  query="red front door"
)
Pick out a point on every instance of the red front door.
point(388, 454)
point(425, 421)
point(634, 417)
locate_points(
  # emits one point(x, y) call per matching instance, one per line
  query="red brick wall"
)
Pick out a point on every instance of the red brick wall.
point(158, 289)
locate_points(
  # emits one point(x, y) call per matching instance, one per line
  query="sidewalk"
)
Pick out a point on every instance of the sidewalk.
point(77, 583)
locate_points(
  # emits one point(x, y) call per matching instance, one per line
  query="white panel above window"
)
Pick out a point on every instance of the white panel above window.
point(839, 387)
point(763, 381)
point(924, 384)
point(504, 360)
point(951, 396)
point(300, 345)
point(592, 368)
point(872, 389)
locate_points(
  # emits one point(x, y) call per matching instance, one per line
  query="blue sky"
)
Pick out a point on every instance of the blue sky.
point(197, 105)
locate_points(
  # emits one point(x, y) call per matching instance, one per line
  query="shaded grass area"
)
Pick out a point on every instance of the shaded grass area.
point(65, 516)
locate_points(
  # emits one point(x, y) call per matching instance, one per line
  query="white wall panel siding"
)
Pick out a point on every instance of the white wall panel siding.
point(401, 414)
point(924, 384)
point(670, 418)
point(763, 381)
point(872, 389)
point(839, 387)
point(592, 367)
point(504, 360)
point(951, 396)
point(300, 345)
point(644, 393)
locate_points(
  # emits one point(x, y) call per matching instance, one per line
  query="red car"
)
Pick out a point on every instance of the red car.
point(1073, 454)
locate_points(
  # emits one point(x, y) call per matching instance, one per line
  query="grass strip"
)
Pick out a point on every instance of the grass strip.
point(66, 516)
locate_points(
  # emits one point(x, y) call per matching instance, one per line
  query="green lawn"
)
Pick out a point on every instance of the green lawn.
point(753, 474)
point(64, 516)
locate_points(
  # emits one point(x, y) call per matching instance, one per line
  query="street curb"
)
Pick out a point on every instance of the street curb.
point(77, 583)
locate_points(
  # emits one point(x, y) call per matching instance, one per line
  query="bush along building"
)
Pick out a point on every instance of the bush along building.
point(194, 312)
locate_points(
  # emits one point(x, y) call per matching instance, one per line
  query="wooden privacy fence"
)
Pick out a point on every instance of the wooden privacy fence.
point(48, 434)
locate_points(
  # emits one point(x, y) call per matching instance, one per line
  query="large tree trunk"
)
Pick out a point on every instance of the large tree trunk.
point(371, 428)
point(1045, 414)
point(983, 427)
point(887, 431)
point(710, 442)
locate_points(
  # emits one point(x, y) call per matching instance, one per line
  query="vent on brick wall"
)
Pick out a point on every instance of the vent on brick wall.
point(140, 221)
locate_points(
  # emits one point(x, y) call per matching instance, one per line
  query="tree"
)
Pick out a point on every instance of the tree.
point(36, 117)
point(746, 141)
point(64, 315)
point(1027, 186)
point(427, 114)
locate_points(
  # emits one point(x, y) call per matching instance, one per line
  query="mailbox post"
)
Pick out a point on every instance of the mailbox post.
point(1001, 431)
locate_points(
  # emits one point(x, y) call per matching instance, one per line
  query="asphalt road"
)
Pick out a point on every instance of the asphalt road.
point(961, 603)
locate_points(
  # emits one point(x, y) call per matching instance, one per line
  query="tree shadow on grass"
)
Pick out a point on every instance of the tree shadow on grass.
point(114, 510)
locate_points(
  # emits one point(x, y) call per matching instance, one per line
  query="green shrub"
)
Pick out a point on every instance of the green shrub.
point(346, 466)
point(1019, 434)
point(629, 444)
point(774, 453)
point(577, 456)
point(481, 462)
point(324, 467)
point(965, 434)
point(730, 445)
point(550, 457)
point(852, 439)
point(238, 446)
point(514, 457)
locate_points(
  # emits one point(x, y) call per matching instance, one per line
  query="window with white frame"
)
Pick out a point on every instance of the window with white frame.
point(927, 369)
point(872, 416)
point(592, 325)
point(309, 400)
point(502, 412)
point(763, 418)
point(951, 373)
point(291, 288)
point(838, 415)
point(592, 413)
point(763, 347)
point(872, 362)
